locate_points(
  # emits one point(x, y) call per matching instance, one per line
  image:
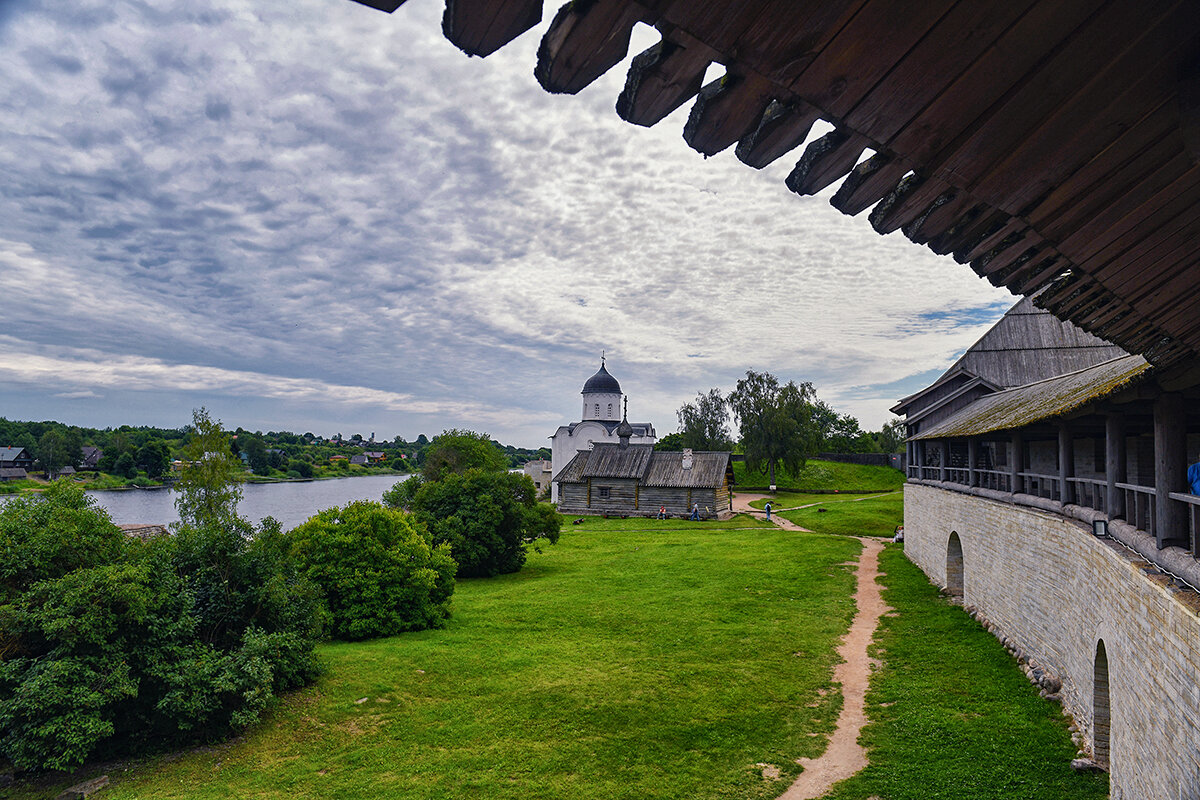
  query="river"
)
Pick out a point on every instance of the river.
point(290, 503)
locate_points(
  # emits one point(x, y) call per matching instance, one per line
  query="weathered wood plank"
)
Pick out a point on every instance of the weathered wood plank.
point(661, 79)
point(481, 27)
point(950, 213)
point(726, 110)
point(826, 160)
point(863, 52)
point(868, 183)
point(983, 226)
point(783, 128)
point(1038, 274)
point(1133, 79)
point(585, 40)
point(910, 199)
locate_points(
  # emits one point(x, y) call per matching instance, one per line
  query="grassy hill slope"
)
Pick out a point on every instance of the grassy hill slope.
point(823, 476)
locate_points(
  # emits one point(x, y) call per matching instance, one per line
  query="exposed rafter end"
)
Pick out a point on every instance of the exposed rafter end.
point(910, 199)
point(584, 41)
point(783, 128)
point(868, 183)
point(383, 5)
point(826, 160)
point(725, 111)
point(945, 215)
point(660, 80)
point(479, 28)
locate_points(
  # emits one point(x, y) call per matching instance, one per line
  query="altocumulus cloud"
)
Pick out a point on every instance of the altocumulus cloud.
point(317, 212)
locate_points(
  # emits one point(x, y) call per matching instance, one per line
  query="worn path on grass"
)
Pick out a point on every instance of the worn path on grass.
point(844, 756)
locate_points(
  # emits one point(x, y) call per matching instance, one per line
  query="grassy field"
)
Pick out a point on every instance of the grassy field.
point(822, 476)
point(590, 524)
point(618, 664)
point(873, 515)
point(952, 716)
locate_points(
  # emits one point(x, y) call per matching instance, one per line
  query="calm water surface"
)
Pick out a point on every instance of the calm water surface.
point(290, 503)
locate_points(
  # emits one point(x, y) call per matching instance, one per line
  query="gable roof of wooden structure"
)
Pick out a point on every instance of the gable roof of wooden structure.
point(643, 463)
point(1024, 405)
point(1051, 145)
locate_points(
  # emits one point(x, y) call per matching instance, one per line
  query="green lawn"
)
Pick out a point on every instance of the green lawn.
point(873, 515)
point(620, 664)
point(822, 476)
point(952, 716)
point(793, 499)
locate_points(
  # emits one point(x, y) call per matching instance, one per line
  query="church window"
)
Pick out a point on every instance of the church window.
point(610, 409)
point(597, 409)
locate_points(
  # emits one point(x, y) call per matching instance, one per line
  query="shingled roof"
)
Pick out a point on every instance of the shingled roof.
point(1050, 145)
point(641, 462)
point(1024, 405)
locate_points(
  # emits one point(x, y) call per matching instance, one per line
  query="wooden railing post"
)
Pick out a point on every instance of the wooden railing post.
point(972, 460)
point(1115, 463)
point(1170, 470)
point(1016, 463)
point(1066, 463)
point(945, 459)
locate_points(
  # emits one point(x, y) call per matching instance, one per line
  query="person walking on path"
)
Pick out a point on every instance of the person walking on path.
point(768, 511)
point(695, 512)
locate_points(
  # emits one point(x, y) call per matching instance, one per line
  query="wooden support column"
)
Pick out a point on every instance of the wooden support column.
point(1170, 470)
point(1115, 463)
point(1016, 462)
point(972, 462)
point(921, 458)
point(1066, 463)
point(945, 474)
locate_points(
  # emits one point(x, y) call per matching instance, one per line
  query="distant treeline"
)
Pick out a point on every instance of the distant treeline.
point(147, 452)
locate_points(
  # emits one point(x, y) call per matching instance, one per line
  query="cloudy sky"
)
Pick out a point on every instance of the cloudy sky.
point(316, 216)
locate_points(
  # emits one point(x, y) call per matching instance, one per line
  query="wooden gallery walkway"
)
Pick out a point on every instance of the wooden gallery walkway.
point(844, 756)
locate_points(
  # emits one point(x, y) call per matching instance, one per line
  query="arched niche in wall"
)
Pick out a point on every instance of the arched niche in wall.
point(1101, 715)
point(954, 566)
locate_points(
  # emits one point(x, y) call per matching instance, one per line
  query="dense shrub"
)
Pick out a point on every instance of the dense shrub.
point(487, 518)
point(300, 466)
point(109, 645)
point(401, 494)
point(379, 575)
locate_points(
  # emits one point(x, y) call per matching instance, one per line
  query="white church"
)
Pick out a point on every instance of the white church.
point(601, 415)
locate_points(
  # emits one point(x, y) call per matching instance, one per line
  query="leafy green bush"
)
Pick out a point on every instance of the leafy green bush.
point(110, 645)
point(401, 494)
point(487, 518)
point(301, 467)
point(379, 575)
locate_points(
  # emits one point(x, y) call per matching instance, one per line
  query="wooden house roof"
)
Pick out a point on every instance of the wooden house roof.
point(1051, 144)
point(1024, 405)
point(641, 462)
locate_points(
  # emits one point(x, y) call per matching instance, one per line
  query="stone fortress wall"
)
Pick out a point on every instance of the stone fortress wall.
point(1123, 640)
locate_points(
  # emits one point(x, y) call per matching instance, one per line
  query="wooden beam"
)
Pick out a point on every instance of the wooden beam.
point(1189, 112)
point(661, 79)
point(1007, 252)
point(1170, 470)
point(868, 183)
point(999, 270)
point(950, 210)
point(826, 160)
point(481, 27)
point(910, 199)
point(783, 128)
point(1066, 463)
point(383, 5)
point(1038, 274)
point(585, 40)
point(993, 240)
point(726, 110)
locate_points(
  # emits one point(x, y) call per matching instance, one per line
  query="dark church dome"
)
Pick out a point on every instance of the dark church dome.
point(601, 383)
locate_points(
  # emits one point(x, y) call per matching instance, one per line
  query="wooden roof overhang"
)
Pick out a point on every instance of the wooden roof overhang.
point(1050, 144)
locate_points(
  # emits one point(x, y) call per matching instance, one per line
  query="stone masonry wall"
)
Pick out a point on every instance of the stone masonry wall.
point(1046, 583)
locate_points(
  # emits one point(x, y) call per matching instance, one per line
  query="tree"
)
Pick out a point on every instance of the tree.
point(672, 442)
point(377, 573)
point(487, 518)
point(256, 453)
point(207, 489)
point(891, 437)
point(840, 433)
point(155, 457)
point(59, 447)
point(402, 493)
point(456, 451)
point(775, 422)
point(704, 425)
point(126, 465)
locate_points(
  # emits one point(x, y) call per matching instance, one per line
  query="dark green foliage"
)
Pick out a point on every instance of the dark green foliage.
point(109, 645)
point(401, 494)
point(456, 451)
point(59, 447)
point(155, 457)
point(377, 573)
point(775, 422)
point(126, 465)
point(300, 467)
point(672, 442)
point(704, 425)
point(487, 518)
